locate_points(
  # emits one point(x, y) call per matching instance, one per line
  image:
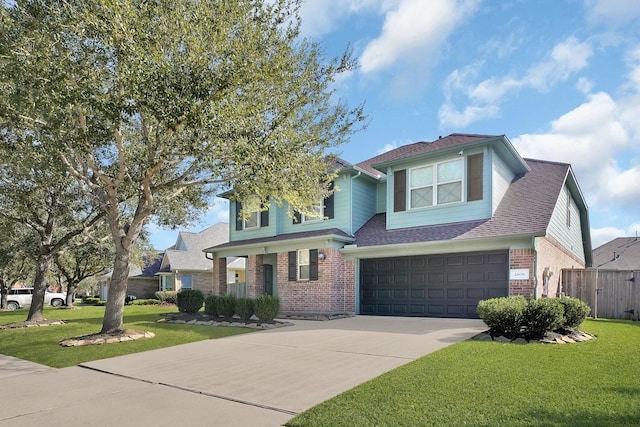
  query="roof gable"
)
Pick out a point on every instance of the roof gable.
point(456, 141)
point(525, 209)
point(192, 257)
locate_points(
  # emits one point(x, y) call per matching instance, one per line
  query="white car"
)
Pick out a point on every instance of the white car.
point(21, 297)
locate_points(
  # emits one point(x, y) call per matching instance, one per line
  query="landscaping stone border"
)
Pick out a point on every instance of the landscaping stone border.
point(33, 324)
point(97, 339)
point(206, 320)
point(549, 338)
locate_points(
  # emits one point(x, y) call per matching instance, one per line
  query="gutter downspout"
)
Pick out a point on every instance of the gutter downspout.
point(355, 264)
point(535, 268)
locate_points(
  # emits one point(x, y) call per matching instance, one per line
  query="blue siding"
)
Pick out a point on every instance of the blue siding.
point(381, 194)
point(340, 215)
point(569, 235)
point(364, 201)
point(501, 177)
point(252, 233)
point(454, 212)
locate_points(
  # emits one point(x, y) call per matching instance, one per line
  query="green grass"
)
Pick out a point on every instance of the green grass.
point(40, 344)
point(474, 383)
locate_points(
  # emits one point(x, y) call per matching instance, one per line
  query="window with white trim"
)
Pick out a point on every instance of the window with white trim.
point(186, 282)
point(317, 213)
point(303, 264)
point(253, 220)
point(436, 184)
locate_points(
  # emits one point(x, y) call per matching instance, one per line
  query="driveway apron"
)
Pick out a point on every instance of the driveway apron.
point(272, 375)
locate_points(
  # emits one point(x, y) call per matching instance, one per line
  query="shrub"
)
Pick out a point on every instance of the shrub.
point(168, 297)
point(146, 301)
point(542, 315)
point(266, 307)
point(503, 316)
point(244, 308)
point(190, 300)
point(211, 306)
point(91, 300)
point(226, 306)
point(575, 311)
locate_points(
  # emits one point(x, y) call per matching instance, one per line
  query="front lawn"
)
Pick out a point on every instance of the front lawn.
point(40, 344)
point(474, 383)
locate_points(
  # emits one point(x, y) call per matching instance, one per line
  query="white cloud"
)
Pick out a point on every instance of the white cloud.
point(584, 85)
point(600, 139)
point(413, 32)
point(483, 99)
point(613, 12)
point(600, 236)
point(566, 59)
point(449, 116)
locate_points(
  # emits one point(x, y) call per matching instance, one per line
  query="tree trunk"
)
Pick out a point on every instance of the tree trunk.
point(112, 321)
point(39, 287)
point(4, 290)
point(71, 290)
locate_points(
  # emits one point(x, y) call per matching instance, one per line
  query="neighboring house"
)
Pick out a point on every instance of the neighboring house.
point(185, 265)
point(426, 229)
point(622, 253)
point(142, 281)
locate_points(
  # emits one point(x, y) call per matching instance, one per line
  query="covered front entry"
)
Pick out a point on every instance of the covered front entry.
point(441, 285)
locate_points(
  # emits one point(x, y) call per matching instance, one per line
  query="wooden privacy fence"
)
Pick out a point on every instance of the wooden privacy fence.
point(238, 289)
point(611, 294)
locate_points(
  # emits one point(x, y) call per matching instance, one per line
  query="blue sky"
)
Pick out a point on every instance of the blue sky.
point(560, 78)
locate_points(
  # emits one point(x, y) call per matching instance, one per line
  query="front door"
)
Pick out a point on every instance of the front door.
point(268, 279)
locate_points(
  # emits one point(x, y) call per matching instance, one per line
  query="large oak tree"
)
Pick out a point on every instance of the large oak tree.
point(154, 105)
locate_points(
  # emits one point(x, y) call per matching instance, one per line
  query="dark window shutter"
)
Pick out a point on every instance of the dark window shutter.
point(238, 217)
point(400, 190)
point(264, 218)
point(292, 266)
point(328, 204)
point(297, 218)
point(313, 264)
point(474, 177)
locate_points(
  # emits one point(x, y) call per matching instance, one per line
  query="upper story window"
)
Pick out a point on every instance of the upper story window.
point(436, 184)
point(323, 210)
point(257, 216)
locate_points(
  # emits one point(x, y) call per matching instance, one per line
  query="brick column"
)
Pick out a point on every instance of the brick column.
point(255, 276)
point(219, 276)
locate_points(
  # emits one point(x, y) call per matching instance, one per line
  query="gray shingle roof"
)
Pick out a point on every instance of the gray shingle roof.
point(193, 258)
point(283, 237)
point(414, 149)
point(526, 209)
point(622, 253)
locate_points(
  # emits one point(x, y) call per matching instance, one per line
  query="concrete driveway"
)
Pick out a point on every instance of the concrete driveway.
point(258, 379)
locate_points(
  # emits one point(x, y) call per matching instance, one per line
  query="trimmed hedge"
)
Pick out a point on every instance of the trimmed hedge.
point(244, 308)
point(542, 315)
point(575, 312)
point(514, 316)
point(168, 297)
point(148, 301)
point(266, 307)
point(504, 316)
point(211, 305)
point(226, 305)
point(190, 300)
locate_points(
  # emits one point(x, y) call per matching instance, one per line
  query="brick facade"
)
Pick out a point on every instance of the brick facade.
point(522, 259)
point(220, 276)
point(551, 254)
point(333, 292)
point(255, 275)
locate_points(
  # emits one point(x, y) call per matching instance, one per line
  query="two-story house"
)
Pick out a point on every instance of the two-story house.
point(426, 229)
